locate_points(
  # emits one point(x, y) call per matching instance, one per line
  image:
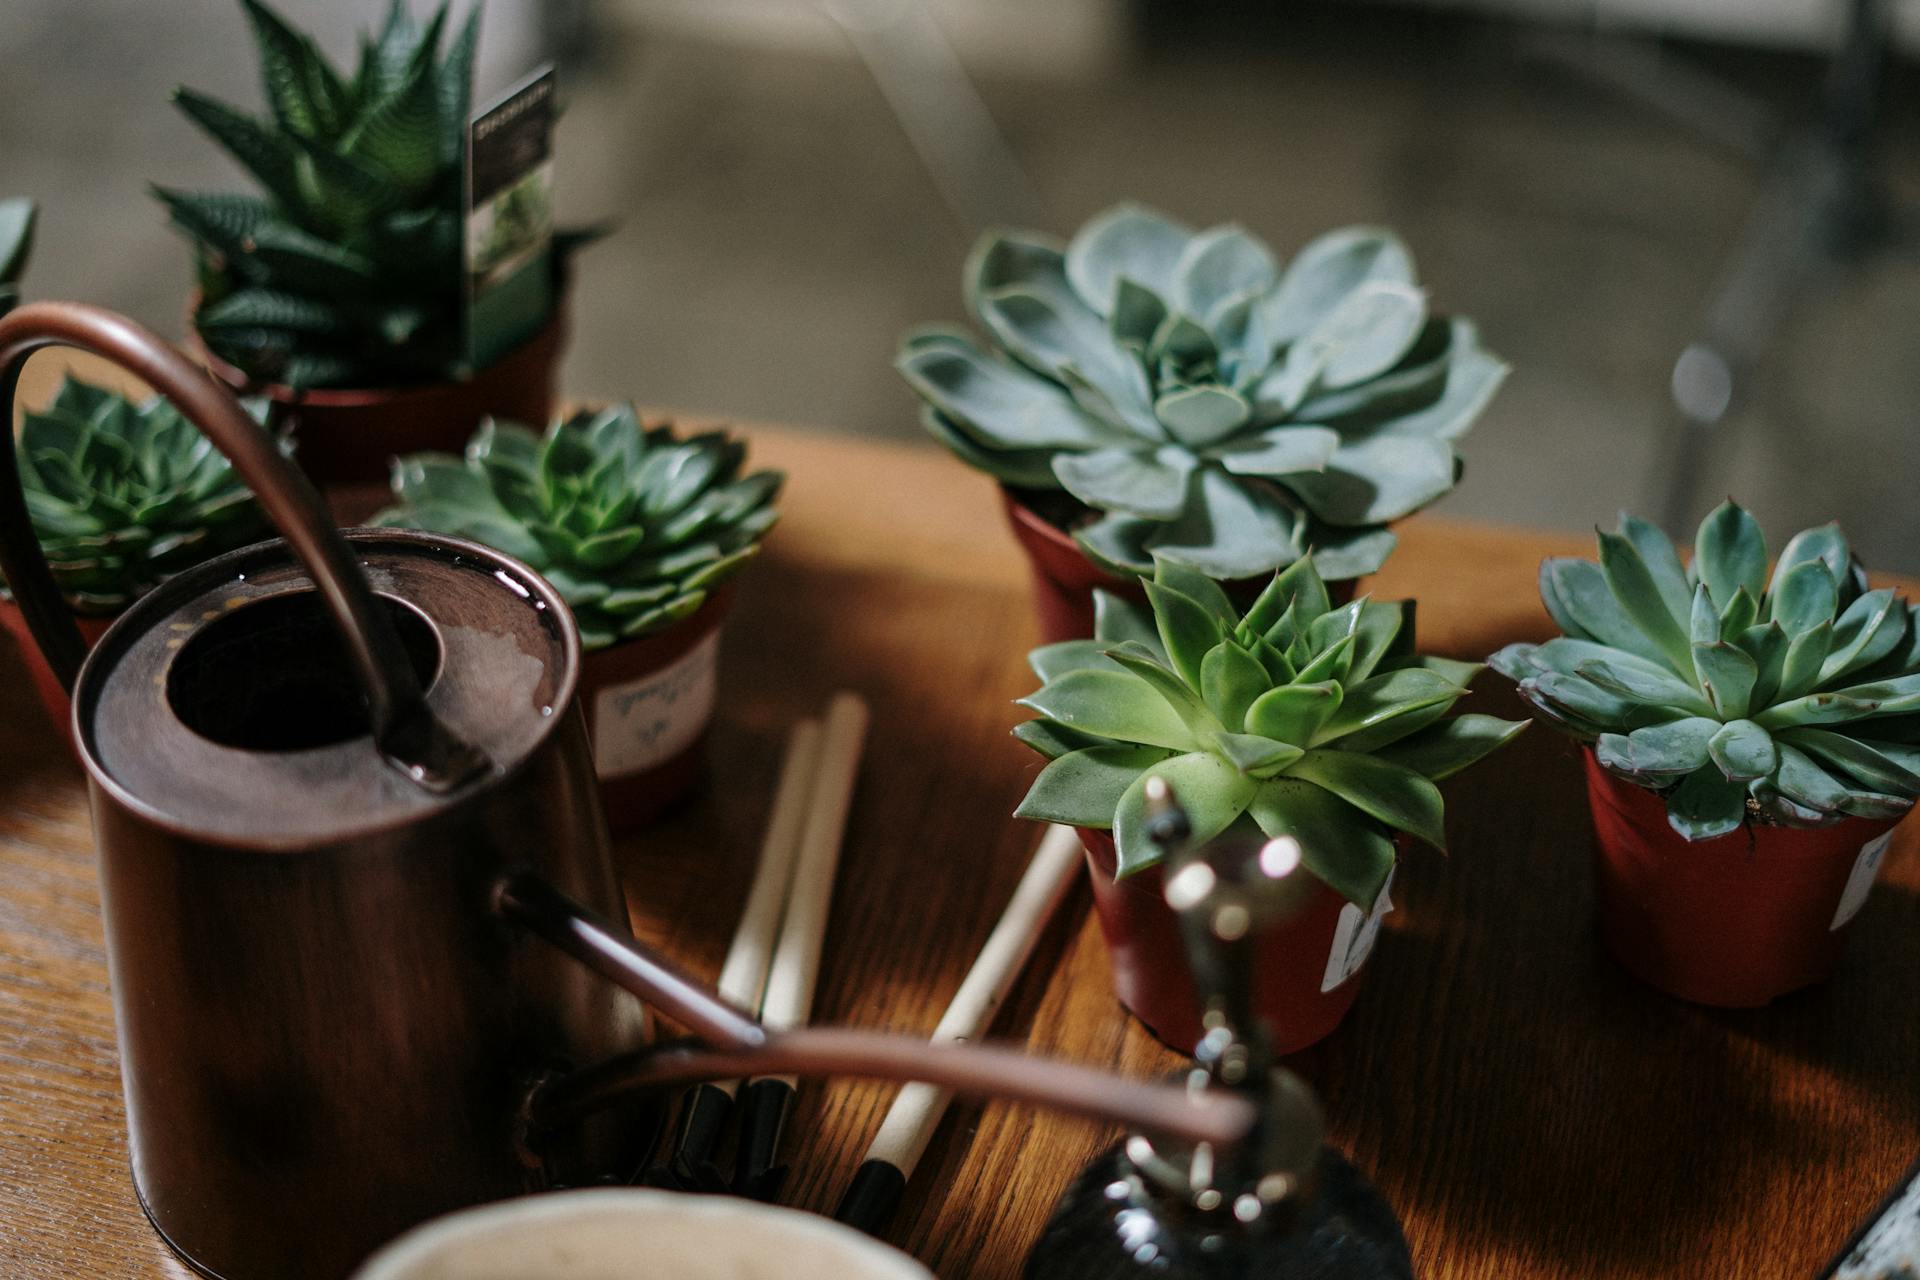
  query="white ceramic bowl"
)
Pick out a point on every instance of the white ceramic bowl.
point(618, 1233)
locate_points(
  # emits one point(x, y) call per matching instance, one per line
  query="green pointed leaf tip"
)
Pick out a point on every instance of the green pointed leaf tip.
point(125, 494)
point(1721, 684)
point(636, 521)
point(1219, 407)
point(366, 166)
point(1190, 680)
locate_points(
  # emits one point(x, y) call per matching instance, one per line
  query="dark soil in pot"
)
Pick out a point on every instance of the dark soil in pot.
point(349, 436)
point(1309, 968)
point(649, 702)
point(1735, 921)
point(1063, 577)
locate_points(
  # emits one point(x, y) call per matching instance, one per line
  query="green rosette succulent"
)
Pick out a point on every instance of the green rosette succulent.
point(346, 270)
point(1309, 721)
point(633, 526)
point(1213, 409)
point(125, 495)
point(1739, 696)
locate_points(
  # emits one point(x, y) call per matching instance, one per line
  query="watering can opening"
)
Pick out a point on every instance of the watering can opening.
point(224, 703)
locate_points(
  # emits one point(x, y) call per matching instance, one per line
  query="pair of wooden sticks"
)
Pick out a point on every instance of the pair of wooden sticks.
point(773, 963)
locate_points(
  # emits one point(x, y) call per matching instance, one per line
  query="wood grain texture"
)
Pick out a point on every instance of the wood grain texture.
point(1529, 1109)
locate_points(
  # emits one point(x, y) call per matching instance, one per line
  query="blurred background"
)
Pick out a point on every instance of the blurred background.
point(1602, 184)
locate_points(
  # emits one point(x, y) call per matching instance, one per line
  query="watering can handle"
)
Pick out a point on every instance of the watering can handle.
point(406, 732)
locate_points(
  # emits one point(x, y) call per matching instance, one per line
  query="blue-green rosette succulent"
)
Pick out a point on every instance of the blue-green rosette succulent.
point(1211, 407)
point(1791, 698)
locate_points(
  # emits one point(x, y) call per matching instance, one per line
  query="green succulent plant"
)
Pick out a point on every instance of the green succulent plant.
point(1738, 696)
point(1310, 721)
point(16, 241)
point(1212, 408)
point(346, 270)
point(125, 495)
point(634, 527)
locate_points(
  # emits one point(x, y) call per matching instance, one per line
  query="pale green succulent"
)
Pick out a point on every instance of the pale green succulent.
point(1792, 699)
point(1306, 720)
point(1209, 406)
point(634, 526)
point(16, 241)
point(125, 495)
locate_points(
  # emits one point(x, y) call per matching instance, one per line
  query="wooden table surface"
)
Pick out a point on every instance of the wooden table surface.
point(1528, 1109)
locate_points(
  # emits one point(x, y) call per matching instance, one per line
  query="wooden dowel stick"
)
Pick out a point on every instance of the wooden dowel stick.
point(796, 957)
point(917, 1110)
point(743, 976)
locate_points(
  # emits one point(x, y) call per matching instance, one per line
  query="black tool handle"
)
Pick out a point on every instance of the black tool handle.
point(873, 1197)
point(763, 1114)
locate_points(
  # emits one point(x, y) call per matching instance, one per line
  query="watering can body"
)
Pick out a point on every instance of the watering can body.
point(327, 1034)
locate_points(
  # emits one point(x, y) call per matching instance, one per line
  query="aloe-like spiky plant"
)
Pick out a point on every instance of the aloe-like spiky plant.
point(16, 241)
point(346, 270)
point(1310, 721)
point(125, 495)
point(1210, 406)
point(633, 526)
point(1739, 696)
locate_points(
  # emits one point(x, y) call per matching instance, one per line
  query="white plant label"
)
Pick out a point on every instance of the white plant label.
point(1354, 936)
point(1866, 868)
point(648, 721)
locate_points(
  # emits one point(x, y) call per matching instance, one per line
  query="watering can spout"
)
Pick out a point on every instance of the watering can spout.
point(408, 734)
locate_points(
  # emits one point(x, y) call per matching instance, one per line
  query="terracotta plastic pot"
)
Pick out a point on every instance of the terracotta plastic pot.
point(1733, 922)
point(349, 436)
point(45, 683)
point(1309, 968)
point(649, 702)
point(1064, 579)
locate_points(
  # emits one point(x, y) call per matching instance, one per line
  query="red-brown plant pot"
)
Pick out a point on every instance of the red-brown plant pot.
point(1064, 579)
point(1735, 921)
point(349, 436)
point(45, 683)
point(649, 702)
point(1309, 968)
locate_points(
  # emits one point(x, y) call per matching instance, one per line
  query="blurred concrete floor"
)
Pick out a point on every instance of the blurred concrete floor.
point(775, 231)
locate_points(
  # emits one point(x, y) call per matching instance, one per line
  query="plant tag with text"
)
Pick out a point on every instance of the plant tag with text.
point(1866, 868)
point(1354, 936)
point(649, 721)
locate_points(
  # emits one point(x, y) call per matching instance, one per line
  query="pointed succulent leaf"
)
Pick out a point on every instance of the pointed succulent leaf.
point(1804, 595)
point(1137, 314)
point(1730, 552)
point(1051, 661)
point(1238, 528)
point(1255, 756)
point(1210, 791)
point(1825, 545)
point(1232, 679)
point(1727, 676)
point(1767, 646)
point(1865, 764)
point(1202, 416)
point(1329, 269)
point(1187, 630)
point(1395, 795)
point(1578, 598)
point(1112, 704)
point(1639, 596)
point(1662, 562)
point(1869, 629)
point(1337, 842)
point(1743, 750)
point(1294, 713)
point(1806, 655)
point(1052, 740)
point(1373, 702)
point(17, 217)
point(1280, 451)
point(1372, 481)
point(1117, 620)
point(1083, 788)
point(999, 407)
point(1218, 265)
point(1644, 682)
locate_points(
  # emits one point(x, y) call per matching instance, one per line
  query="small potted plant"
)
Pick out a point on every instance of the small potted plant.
point(1155, 393)
point(1750, 742)
point(1315, 723)
point(639, 530)
point(337, 292)
point(123, 495)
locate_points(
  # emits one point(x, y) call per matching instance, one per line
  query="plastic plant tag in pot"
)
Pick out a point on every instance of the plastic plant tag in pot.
point(1737, 921)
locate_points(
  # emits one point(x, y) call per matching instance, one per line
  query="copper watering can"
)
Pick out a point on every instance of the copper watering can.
point(357, 886)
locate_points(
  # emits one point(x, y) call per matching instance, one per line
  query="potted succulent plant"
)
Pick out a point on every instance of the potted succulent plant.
point(1155, 393)
point(640, 530)
point(1751, 740)
point(337, 292)
point(1313, 722)
point(123, 496)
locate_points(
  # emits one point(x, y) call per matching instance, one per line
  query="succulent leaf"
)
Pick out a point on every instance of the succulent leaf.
point(1798, 698)
point(1212, 408)
point(634, 527)
point(1310, 721)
